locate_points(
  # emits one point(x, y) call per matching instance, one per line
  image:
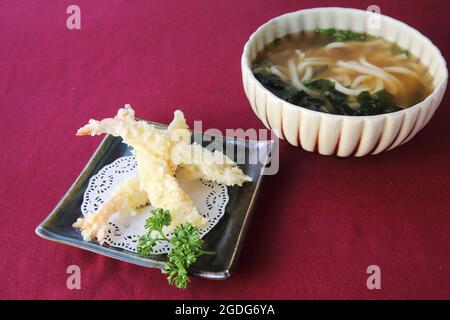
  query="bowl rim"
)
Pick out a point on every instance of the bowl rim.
point(246, 65)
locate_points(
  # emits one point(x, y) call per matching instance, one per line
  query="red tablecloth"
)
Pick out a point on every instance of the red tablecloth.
point(319, 222)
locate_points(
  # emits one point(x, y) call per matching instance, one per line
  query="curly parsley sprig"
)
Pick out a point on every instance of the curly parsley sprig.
point(154, 224)
point(186, 246)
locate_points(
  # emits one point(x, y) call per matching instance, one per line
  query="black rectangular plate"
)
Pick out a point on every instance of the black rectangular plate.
point(226, 238)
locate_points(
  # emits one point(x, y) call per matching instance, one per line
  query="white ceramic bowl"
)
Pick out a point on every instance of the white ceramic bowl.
point(336, 134)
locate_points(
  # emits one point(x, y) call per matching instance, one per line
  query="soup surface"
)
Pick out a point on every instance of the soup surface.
point(342, 72)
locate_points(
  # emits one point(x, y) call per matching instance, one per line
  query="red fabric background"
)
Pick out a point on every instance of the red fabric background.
point(319, 223)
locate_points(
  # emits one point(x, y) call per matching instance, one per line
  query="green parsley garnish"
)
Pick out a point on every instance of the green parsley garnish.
point(399, 50)
point(154, 224)
point(186, 246)
point(346, 35)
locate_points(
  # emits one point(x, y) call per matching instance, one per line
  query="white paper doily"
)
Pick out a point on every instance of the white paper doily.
point(124, 231)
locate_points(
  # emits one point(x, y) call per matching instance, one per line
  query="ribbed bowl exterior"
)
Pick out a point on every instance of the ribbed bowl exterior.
point(335, 134)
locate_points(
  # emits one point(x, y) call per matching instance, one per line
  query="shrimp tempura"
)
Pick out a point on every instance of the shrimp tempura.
point(125, 199)
point(163, 190)
point(159, 153)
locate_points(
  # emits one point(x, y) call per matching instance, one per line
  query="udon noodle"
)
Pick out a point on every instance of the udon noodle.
point(354, 68)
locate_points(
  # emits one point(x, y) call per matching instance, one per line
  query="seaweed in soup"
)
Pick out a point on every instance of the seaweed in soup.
point(330, 100)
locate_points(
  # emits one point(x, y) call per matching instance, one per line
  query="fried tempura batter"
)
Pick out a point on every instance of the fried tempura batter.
point(134, 133)
point(126, 198)
point(200, 163)
point(157, 179)
point(158, 154)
